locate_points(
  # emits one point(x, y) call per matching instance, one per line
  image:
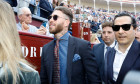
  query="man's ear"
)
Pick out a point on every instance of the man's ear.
point(136, 28)
point(20, 17)
point(66, 23)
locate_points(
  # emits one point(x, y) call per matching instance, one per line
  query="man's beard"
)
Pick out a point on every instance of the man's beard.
point(57, 29)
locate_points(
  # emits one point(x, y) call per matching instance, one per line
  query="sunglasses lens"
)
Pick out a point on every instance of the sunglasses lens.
point(116, 27)
point(126, 27)
point(55, 17)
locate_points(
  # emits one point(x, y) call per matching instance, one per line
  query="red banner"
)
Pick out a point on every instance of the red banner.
point(76, 29)
point(32, 47)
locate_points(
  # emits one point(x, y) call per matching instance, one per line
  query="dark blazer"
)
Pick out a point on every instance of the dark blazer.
point(131, 62)
point(45, 8)
point(13, 3)
point(98, 51)
point(76, 70)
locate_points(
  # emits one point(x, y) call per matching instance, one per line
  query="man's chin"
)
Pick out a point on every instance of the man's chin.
point(107, 41)
point(52, 32)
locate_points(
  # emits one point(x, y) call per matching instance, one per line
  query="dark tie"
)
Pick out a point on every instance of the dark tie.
point(56, 67)
point(105, 67)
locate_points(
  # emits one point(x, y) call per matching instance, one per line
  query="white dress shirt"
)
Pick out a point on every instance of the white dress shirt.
point(118, 61)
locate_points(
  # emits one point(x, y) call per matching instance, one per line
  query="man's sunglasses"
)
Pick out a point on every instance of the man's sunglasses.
point(125, 27)
point(55, 17)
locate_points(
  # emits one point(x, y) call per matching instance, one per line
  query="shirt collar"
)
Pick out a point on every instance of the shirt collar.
point(117, 48)
point(19, 24)
point(65, 36)
point(112, 45)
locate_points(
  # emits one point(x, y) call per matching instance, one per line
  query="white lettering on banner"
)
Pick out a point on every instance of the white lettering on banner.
point(33, 52)
point(85, 33)
point(41, 51)
point(25, 51)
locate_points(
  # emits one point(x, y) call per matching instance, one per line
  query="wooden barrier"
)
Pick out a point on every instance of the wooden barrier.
point(32, 47)
point(86, 34)
point(76, 29)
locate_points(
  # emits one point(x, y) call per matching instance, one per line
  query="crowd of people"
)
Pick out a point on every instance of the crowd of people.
point(90, 17)
point(67, 59)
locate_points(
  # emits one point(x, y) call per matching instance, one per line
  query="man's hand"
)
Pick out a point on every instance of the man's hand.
point(25, 27)
point(41, 31)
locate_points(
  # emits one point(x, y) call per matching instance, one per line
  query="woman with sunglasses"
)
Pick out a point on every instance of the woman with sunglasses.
point(14, 69)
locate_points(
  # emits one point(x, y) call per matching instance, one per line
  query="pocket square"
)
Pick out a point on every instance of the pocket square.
point(76, 57)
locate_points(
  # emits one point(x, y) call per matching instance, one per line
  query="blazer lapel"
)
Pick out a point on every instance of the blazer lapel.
point(101, 56)
point(70, 54)
point(101, 53)
point(49, 63)
point(110, 60)
point(130, 59)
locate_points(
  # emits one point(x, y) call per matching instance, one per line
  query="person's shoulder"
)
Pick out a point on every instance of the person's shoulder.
point(97, 45)
point(17, 23)
point(26, 67)
point(135, 45)
point(28, 74)
point(79, 40)
point(19, 26)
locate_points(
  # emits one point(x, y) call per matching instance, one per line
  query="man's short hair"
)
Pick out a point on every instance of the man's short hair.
point(20, 10)
point(107, 24)
point(133, 20)
point(67, 12)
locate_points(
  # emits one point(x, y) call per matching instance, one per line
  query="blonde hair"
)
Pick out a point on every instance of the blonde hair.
point(10, 47)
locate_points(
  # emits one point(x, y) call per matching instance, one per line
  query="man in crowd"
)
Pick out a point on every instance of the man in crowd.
point(23, 3)
point(125, 56)
point(46, 8)
point(138, 34)
point(13, 3)
point(101, 49)
point(25, 18)
point(67, 59)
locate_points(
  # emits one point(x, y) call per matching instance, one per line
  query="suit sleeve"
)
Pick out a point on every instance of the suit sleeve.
point(45, 5)
point(43, 73)
point(90, 64)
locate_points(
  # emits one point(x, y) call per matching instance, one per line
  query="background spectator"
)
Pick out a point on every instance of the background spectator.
point(13, 3)
point(138, 34)
point(25, 18)
point(23, 3)
point(46, 8)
